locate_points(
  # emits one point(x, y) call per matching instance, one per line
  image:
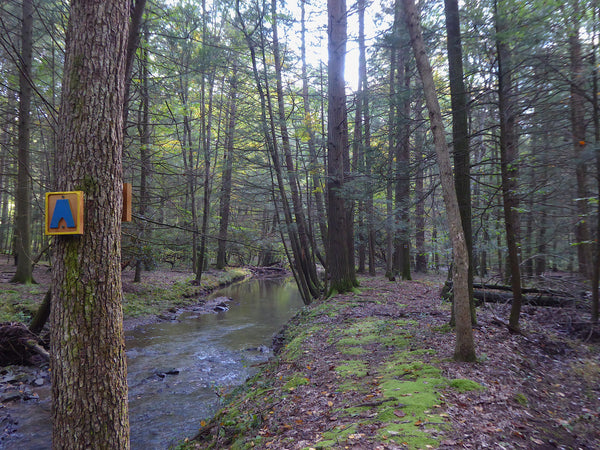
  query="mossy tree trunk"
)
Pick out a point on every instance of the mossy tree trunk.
point(88, 366)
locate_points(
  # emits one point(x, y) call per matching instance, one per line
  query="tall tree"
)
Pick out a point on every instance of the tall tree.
point(460, 131)
point(508, 160)
point(310, 126)
point(225, 194)
point(303, 259)
point(401, 132)
point(88, 366)
point(596, 117)
point(578, 126)
point(24, 272)
point(340, 254)
point(145, 156)
point(465, 346)
point(364, 152)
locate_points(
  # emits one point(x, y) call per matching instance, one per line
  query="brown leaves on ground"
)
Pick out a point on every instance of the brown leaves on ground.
point(542, 388)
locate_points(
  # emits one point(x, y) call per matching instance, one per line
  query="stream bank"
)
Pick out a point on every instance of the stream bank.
point(373, 370)
point(178, 361)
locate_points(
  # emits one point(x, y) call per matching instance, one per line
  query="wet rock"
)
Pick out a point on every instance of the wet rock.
point(259, 349)
point(221, 307)
point(164, 373)
point(220, 304)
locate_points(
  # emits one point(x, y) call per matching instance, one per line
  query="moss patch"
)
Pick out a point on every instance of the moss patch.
point(355, 369)
point(462, 385)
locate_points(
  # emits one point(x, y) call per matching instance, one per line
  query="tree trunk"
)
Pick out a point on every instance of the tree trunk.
point(42, 314)
point(508, 164)
point(133, 41)
point(578, 125)
point(460, 132)
point(358, 167)
point(205, 147)
point(225, 197)
point(366, 137)
point(303, 258)
point(24, 272)
point(465, 346)
point(340, 254)
point(421, 255)
point(596, 117)
point(145, 162)
point(390, 221)
point(314, 165)
point(402, 169)
point(88, 366)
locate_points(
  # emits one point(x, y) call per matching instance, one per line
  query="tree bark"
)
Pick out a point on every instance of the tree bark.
point(508, 163)
point(363, 99)
point(314, 165)
point(303, 258)
point(465, 346)
point(402, 166)
point(24, 271)
point(225, 195)
point(595, 306)
point(420, 227)
point(390, 221)
point(460, 132)
point(578, 125)
point(340, 254)
point(88, 365)
point(145, 162)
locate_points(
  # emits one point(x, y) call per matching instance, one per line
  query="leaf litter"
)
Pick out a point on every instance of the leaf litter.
point(373, 370)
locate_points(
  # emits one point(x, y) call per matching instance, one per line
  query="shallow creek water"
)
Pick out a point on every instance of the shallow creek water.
point(177, 370)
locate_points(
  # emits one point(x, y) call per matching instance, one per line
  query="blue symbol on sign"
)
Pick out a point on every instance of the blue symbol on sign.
point(62, 210)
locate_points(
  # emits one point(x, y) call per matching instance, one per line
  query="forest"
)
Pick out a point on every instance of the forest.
point(197, 148)
point(379, 137)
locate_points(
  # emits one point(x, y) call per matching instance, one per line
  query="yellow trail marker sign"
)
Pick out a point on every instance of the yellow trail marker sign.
point(64, 212)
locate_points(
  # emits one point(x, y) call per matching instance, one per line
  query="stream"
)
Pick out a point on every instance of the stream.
point(178, 370)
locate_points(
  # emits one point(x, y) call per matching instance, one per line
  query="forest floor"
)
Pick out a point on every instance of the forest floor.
point(373, 369)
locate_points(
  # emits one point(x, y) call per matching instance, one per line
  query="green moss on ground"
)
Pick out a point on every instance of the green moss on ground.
point(374, 384)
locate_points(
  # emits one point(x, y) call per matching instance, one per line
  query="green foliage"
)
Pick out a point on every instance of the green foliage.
point(295, 381)
point(521, 399)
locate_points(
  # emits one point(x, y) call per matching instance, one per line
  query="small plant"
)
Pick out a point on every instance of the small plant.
point(521, 399)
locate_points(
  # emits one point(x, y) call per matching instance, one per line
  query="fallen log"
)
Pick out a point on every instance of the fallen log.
point(499, 287)
point(485, 296)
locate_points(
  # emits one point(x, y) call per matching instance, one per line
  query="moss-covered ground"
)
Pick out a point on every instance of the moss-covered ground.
point(354, 373)
point(372, 369)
